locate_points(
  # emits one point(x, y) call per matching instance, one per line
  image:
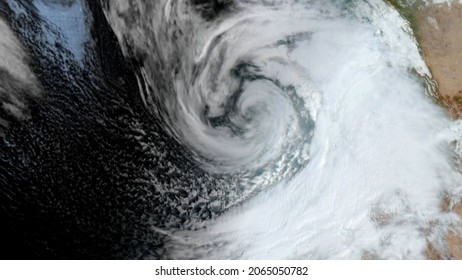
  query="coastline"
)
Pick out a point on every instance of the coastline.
point(437, 28)
point(440, 39)
point(438, 33)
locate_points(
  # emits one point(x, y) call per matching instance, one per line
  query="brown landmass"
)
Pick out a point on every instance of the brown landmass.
point(438, 29)
point(453, 239)
point(439, 32)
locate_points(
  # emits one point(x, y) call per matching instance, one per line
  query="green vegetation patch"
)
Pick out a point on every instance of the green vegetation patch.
point(407, 9)
point(457, 99)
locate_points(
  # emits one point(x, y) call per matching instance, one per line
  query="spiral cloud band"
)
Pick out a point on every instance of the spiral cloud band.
point(272, 129)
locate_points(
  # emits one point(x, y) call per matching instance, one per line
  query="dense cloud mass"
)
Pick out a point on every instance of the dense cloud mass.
point(220, 129)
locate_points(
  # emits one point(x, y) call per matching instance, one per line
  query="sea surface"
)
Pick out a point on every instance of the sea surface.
point(233, 129)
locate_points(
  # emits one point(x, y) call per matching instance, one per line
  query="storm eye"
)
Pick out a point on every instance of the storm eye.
point(211, 9)
point(230, 129)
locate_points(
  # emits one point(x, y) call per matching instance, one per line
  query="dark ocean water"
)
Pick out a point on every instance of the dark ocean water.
point(76, 178)
point(218, 129)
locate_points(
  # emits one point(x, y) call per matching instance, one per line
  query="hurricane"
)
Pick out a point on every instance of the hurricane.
point(232, 129)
